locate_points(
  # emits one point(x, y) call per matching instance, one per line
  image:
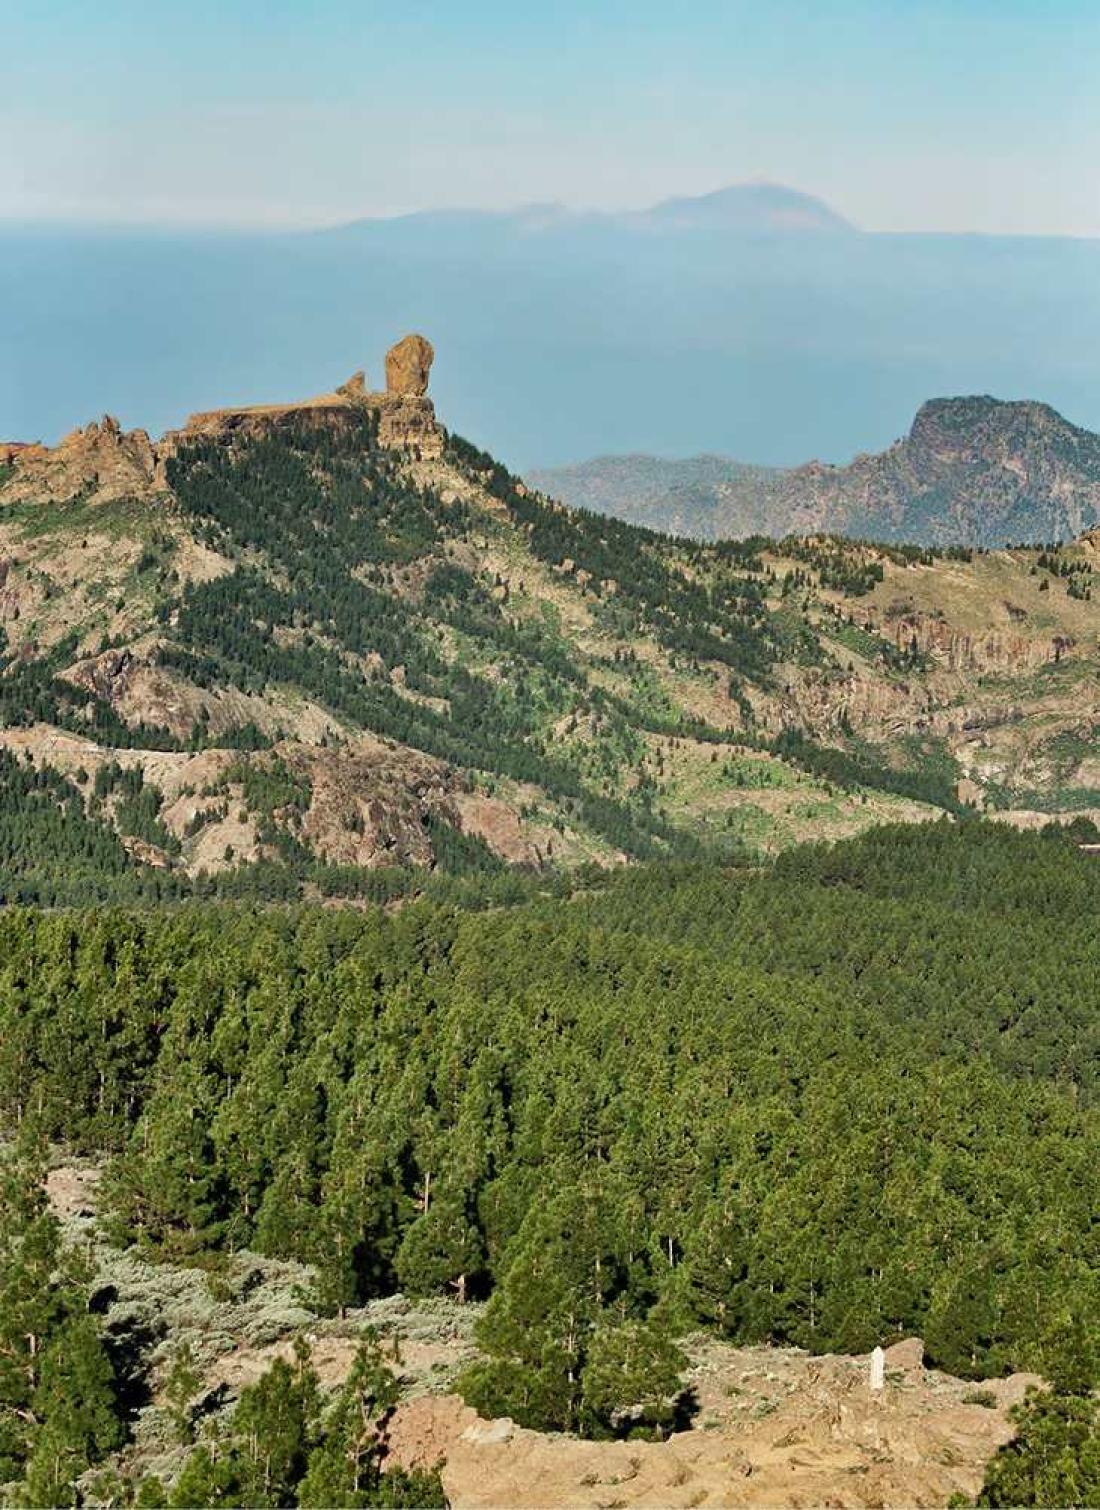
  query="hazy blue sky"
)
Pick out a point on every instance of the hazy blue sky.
point(903, 114)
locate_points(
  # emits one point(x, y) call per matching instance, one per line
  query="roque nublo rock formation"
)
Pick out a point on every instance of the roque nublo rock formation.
point(408, 365)
point(105, 462)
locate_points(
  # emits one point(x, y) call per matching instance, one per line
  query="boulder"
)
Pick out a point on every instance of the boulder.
point(490, 1433)
point(906, 1356)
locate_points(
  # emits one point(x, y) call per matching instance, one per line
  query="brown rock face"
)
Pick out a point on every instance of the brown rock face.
point(101, 461)
point(781, 1429)
point(406, 419)
point(406, 423)
point(11, 449)
point(355, 387)
point(408, 365)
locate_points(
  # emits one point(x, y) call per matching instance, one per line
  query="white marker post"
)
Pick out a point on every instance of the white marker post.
point(878, 1369)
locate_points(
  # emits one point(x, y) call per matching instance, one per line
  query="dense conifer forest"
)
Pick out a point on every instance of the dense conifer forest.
point(833, 1102)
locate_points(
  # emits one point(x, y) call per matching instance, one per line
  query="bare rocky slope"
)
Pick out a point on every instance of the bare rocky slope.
point(326, 637)
point(971, 471)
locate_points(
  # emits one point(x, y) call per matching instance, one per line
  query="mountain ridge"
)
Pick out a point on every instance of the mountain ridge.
point(972, 470)
point(296, 653)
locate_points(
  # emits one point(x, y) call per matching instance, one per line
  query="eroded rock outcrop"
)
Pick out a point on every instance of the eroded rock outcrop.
point(407, 423)
point(408, 365)
point(101, 461)
point(343, 406)
point(405, 415)
point(779, 1428)
point(406, 418)
point(10, 450)
point(988, 650)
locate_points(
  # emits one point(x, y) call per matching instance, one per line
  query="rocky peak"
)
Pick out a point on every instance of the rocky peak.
point(100, 459)
point(984, 427)
point(355, 387)
point(408, 364)
point(103, 462)
point(974, 469)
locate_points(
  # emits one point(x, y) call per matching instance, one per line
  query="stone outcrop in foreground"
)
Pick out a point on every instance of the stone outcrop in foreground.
point(103, 462)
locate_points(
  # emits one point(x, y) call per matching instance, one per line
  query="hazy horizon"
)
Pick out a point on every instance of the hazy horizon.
point(267, 113)
point(579, 210)
point(249, 199)
point(557, 344)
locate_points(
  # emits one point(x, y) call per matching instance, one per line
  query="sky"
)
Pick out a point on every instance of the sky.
point(905, 115)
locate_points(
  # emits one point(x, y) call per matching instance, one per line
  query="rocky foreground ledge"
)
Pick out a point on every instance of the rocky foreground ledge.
point(774, 1427)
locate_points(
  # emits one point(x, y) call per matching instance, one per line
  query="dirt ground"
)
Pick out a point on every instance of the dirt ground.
point(776, 1427)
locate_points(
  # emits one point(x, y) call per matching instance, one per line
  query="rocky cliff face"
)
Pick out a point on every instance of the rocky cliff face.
point(103, 462)
point(405, 415)
point(973, 471)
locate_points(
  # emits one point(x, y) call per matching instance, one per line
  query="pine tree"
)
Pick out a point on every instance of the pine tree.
point(207, 1479)
point(441, 1250)
point(1054, 1458)
point(58, 1403)
point(964, 1319)
point(538, 1323)
point(275, 1427)
point(181, 1386)
point(345, 1469)
point(715, 1268)
point(31, 1304)
point(631, 1380)
point(167, 1189)
point(76, 1403)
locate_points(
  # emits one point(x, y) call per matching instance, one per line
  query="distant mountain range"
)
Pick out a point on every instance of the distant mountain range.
point(743, 209)
point(754, 320)
point(972, 471)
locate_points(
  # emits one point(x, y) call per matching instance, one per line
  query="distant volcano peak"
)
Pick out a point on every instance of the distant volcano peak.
point(750, 207)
